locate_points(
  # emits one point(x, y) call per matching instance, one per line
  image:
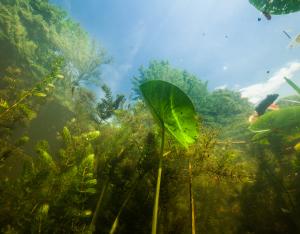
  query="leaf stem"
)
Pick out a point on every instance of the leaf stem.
point(94, 219)
point(116, 221)
point(155, 208)
point(192, 203)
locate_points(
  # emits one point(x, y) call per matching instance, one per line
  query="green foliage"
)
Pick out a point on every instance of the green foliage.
point(219, 107)
point(240, 184)
point(172, 109)
point(230, 181)
point(225, 107)
point(37, 31)
point(55, 190)
point(108, 104)
point(123, 147)
point(285, 121)
point(39, 90)
point(287, 101)
point(175, 112)
point(273, 191)
point(276, 7)
point(195, 89)
point(43, 53)
point(34, 35)
point(23, 109)
point(293, 85)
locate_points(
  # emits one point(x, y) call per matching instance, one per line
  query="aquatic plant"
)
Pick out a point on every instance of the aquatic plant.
point(293, 85)
point(195, 89)
point(24, 108)
point(281, 121)
point(217, 108)
point(40, 89)
point(82, 181)
point(175, 113)
point(36, 37)
point(55, 190)
point(106, 107)
point(274, 189)
point(276, 7)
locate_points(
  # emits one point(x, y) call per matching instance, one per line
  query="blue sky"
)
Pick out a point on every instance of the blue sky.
point(219, 41)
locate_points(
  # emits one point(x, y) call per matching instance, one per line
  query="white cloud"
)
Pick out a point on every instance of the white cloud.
point(258, 91)
point(221, 87)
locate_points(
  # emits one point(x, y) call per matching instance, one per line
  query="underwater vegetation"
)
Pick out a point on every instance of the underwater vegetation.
point(175, 113)
point(293, 85)
point(283, 121)
point(276, 7)
point(179, 158)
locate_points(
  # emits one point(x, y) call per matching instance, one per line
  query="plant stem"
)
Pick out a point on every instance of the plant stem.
point(26, 95)
point(29, 93)
point(94, 219)
point(115, 224)
point(192, 204)
point(155, 208)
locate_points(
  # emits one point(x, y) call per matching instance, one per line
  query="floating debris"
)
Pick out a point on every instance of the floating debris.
point(265, 103)
point(295, 42)
point(287, 34)
point(267, 15)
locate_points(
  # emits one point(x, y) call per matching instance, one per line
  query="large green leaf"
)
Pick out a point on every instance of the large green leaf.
point(276, 7)
point(172, 109)
point(284, 121)
point(293, 85)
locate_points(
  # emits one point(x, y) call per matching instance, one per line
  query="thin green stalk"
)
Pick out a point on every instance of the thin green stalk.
point(27, 94)
point(116, 222)
point(192, 203)
point(155, 208)
point(94, 219)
